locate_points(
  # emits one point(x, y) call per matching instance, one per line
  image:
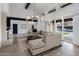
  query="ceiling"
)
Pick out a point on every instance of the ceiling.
point(39, 8)
point(43, 7)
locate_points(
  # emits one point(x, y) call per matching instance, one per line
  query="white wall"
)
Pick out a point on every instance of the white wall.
point(0, 25)
point(20, 29)
point(41, 25)
point(76, 30)
point(4, 14)
point(3, 24)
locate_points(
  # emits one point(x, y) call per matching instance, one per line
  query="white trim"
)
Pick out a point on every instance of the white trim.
point(62, 28)
point(0, 29)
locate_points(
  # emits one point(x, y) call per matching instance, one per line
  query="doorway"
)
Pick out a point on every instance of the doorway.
point(68, 30)
point(15, 31)
point(15, 28)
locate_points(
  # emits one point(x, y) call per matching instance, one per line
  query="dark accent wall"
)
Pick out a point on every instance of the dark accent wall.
point(12, 18)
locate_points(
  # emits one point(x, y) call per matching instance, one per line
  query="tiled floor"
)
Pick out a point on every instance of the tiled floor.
point(68, 37)
point(21, 49)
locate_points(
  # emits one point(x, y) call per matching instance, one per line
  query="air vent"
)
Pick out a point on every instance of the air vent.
point(52, 11)
point(66, 5)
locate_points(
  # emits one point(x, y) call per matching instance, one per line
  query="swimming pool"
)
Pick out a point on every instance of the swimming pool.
point(65, 29)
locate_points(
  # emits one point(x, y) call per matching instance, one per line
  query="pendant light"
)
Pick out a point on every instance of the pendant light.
point(35, 18)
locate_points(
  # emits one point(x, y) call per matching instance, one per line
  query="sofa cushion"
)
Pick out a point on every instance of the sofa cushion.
point(37, 43)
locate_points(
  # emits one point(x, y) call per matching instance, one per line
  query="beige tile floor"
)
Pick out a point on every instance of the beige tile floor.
point(20, 48)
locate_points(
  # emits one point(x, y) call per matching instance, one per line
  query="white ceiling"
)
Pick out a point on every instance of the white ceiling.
point(42, 7)
point(39, 7)
point(18, 9)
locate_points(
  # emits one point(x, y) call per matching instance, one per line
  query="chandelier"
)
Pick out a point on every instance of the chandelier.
point(34, 18)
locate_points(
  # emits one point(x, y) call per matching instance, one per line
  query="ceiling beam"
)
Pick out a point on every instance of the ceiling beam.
point(27, 5)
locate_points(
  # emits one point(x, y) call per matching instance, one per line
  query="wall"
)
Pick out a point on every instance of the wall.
point(41, 25)
point(76, 29)
point(20, 29)
point(0, 26)
point(4, 13)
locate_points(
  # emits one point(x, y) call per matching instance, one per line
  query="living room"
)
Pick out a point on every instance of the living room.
point(33, 26)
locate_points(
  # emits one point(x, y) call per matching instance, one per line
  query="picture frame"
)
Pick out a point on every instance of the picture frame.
point(23, 26)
